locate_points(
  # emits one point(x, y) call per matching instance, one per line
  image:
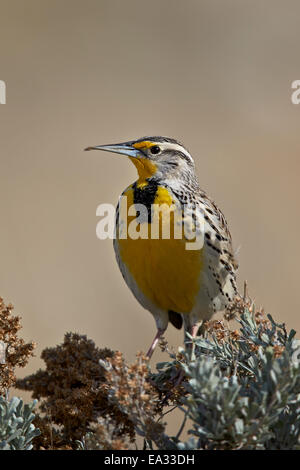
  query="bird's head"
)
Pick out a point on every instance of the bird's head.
point(158, 157)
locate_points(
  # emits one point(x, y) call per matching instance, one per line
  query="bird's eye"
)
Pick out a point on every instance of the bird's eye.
point(155, 149)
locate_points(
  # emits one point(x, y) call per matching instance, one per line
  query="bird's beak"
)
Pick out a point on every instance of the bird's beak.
point(125, 148)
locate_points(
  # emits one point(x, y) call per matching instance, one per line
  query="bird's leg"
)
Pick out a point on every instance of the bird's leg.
point(160, 332)
point(194, 329)
point(193, 332)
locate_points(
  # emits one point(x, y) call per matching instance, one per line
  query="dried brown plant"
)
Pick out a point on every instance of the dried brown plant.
point(72, 392)
point(103, 437)
point(130, 389)
point(15, 352)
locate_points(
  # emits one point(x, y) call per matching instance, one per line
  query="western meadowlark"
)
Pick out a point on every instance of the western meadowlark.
point(176, 284)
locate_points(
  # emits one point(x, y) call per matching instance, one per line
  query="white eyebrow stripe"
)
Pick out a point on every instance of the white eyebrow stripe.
point(179, 148)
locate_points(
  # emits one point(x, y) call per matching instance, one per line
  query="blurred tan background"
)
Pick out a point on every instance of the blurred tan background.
point(215, 74)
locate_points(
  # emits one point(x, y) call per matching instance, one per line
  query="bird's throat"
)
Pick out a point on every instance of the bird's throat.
point(145, 168)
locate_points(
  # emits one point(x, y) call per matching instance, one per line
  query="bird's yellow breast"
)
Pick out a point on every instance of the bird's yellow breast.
point(166, 273)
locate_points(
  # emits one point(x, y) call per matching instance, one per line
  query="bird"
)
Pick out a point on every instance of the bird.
point(178, 285)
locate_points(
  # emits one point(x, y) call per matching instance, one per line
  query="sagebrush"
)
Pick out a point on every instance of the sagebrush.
point(240, 389)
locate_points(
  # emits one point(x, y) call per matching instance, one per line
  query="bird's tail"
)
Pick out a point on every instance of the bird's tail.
point(176, 319)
